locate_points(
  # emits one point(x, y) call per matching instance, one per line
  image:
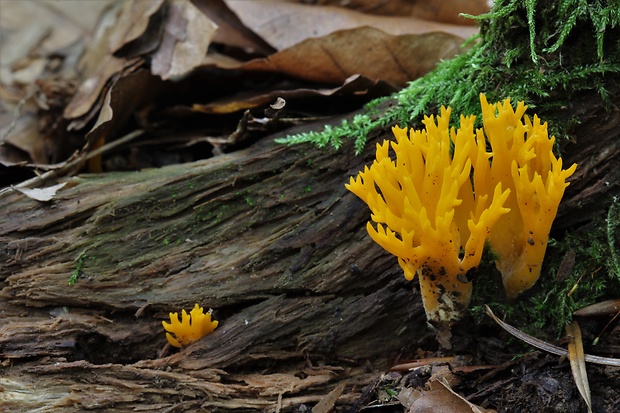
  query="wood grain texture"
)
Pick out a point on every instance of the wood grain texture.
point(267, 236)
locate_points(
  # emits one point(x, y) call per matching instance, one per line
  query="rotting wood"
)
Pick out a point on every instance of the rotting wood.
point(267, 236)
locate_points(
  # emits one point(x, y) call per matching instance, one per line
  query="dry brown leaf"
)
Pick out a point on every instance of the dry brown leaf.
point(283, 25)
point(366, 51)
point(354, 84)
point(90, 89)
point(577, 360)
point(231, 31)
point(10, 156)
point(439, 398)
point(130, 91)
point(121, 100)
point(604, 308)
point(441, 11)
point(24, 135)
point(187, 35)
point(23, 42)
point(31, 31)
point(45, 25)
point(97, 66)
point(28, 74)
point(183, 47)
point(133, 22)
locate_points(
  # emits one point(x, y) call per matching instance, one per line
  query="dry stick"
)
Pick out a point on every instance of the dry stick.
point(548, 347)
point(38, 180)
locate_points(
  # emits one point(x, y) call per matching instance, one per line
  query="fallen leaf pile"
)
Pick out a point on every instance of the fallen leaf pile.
point(198, 77)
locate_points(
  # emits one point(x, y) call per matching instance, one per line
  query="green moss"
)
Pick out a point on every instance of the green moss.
point(249, 201)
point(541, 53)
point(549, 305)
point(613, 238)
point(78, 268)
point(213, 213)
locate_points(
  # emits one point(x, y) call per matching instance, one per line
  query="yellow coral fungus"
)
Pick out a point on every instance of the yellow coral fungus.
point(193, 326)
point(431, 211)
point(523, 161)
point(444, 194)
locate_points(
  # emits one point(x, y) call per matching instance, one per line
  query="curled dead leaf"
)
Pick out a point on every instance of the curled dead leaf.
point(133, 22)
point(41, 194)
point(231, 30)
point(437, 398)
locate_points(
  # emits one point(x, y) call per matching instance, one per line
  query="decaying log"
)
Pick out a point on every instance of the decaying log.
point(267, 236)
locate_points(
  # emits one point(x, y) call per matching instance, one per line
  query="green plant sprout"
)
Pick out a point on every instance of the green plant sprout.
point(78, 270)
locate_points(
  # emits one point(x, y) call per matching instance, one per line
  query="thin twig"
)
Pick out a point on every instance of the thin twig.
point(39, 180)
point(578, 362)
point(548, 347)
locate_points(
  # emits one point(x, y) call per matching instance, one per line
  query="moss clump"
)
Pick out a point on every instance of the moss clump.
point(593, 275)
point(541, 53)
point(78, 272)
point(613, 238)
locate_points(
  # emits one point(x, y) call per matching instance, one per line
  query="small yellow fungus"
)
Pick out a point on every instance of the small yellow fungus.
point(192, 326)
point(440, 195)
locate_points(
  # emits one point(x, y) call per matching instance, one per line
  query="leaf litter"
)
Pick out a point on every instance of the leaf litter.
point(91, 75)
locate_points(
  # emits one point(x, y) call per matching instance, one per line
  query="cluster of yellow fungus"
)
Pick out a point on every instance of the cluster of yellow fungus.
point(192, 326)
point(523, 160)
point(443, 195)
